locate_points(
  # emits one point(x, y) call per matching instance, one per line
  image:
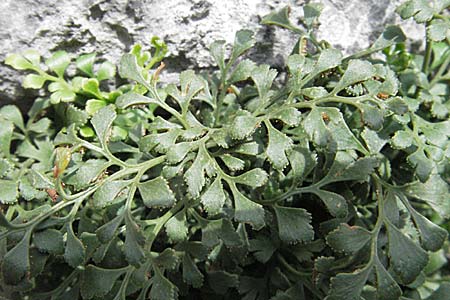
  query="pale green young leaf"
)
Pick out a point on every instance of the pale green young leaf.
point(74, 251)
point(294, 224)
point(156, 193)
point(58, 62)
point(129, 69)
point(177, 227)
point(161, 142)
point(232, 163)
point(214, 197)
point(97, 282)
point(6, 130)
point(348, 239)
point(18, 62)
point(162, 124)
point(406, 257)
point(107, 70)
point(329, 58)
point(94, 105)
point(16, 262)
point(279, 145)
point(280, 18)
point(247, 211)
point(33, 81)
point(85, 63)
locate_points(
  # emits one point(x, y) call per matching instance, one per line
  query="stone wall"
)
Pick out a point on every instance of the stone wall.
point(188, 27)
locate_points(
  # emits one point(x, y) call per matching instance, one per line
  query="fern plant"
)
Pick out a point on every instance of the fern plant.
point(325, 180)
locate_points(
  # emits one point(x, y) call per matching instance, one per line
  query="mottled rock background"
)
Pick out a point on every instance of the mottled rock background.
point(111, 27)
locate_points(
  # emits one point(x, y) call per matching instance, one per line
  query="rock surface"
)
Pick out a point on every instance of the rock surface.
point(111, 27)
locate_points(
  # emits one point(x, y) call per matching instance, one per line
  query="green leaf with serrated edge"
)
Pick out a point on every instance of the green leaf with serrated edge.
point(106, 70)
point(434, 192)
point(242, 71)
point(302, 162)
point(102, 122)
point(214, 197)
point(279, 145)
point(295, 63)
point(33, 81)
point(247, 211)
point(177, 153)
point(217, 51)
point(94, 105)
point(255, 178)
point(419, 9)
point(242, 42)
point(391, 35)
point(156, 193)
point(13, 114)
point(329, 58)
point(438, 30)
point(345, 168)
point(191, 273)
point(289, 116)
point(74, 251)
point(243, 125)
point(387, 288)
point(160, 141)
point(357, 71)
point(85, 62)
point(335, 203)
point(162, 124)
point(129, 99)
point(129, 69)
point(9, 192)
point(195, 175)
point(372, 116)
point(97, 282)
point(50, 241)
point(232, 163)
point(279, 18)
point(134, 240)
point(221, 281)
point(162, 288)
point(167, 259)
point(406, 257)
point(263, 77)
point(432, 237)
point(423, 165)
point(311, 13)
point(190, 85)
point(348, 239)
point(58, 62)
point(177, 227)
point(6, 130)
point(316, 129)
point(348, 286)
point(294, 224)
point(373, 140)
point(16, 263)
point(263, 248)
point(107, 231)
point(221, 229)
point(314, 92)
point(87, 173)
point(251, 148)
point(108, 192)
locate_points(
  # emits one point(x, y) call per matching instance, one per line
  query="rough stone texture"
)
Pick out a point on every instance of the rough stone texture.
point(111, 27)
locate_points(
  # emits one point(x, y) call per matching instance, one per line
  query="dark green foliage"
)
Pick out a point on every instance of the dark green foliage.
point(328, 179)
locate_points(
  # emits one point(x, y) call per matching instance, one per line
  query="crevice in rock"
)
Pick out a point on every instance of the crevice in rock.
point(123, 35)
point(96, 12)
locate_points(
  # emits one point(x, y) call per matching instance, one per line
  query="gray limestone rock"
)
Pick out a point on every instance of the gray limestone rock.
point(188, 27)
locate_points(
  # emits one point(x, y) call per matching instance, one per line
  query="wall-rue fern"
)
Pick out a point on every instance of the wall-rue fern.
point(328, 179)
